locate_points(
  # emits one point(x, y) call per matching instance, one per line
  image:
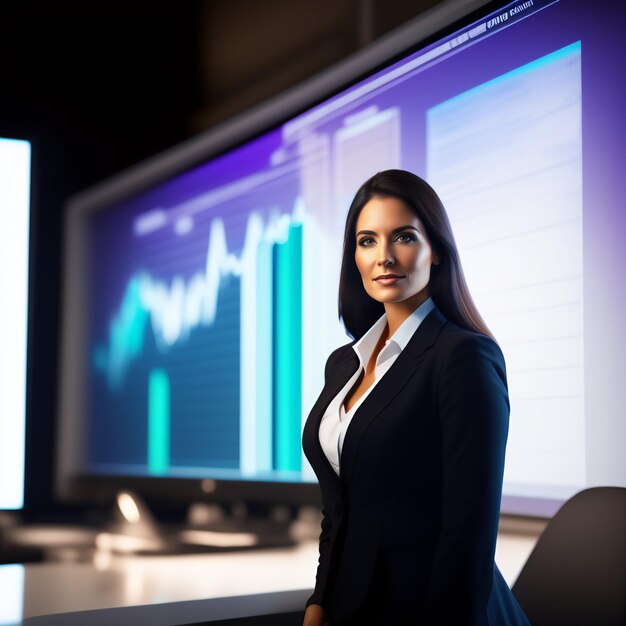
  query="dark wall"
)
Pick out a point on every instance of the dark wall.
point(98, 86)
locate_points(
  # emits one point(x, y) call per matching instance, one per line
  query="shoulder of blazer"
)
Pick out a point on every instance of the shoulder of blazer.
point(337, 356)
point(452, 335)
point(457, 342)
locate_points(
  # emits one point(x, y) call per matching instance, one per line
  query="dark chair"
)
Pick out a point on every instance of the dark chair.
point(576, 574)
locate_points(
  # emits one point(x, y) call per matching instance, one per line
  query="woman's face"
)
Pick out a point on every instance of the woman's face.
point(390, 239)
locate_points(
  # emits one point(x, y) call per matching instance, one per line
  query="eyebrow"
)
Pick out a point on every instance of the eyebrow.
point(395, 230)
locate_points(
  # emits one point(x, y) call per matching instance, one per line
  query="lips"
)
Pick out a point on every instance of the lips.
point(388, 280)
point(386, 276)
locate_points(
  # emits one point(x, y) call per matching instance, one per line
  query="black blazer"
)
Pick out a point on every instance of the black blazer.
point(421, 478)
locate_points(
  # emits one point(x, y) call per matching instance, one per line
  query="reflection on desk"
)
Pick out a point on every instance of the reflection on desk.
point(109, 581)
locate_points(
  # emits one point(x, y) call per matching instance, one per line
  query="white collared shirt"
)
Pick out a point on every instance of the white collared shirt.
point(335, 421)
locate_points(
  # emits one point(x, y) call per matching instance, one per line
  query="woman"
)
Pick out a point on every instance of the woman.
point(408, 436)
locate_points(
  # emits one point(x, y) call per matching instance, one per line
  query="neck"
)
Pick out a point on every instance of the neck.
point(397, 312)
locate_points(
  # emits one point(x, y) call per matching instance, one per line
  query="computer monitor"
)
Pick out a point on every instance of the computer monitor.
point(15, 194)
point(201, 286)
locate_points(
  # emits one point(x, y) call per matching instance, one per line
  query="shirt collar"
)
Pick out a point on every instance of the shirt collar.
point(364, 347)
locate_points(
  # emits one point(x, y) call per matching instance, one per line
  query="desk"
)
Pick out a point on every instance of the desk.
point(201, 582)
point(125, 581)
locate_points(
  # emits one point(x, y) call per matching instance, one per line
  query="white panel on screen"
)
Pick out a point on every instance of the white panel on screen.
point(506, 158)
point(14, 232)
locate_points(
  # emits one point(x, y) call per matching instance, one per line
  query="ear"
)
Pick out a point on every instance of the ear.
point(435, 258)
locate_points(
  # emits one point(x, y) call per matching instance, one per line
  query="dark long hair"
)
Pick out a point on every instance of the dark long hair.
point(447, 285)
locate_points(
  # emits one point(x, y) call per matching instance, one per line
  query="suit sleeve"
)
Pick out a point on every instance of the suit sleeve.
point(474, 418)
point(324, 540)
point(324, 555)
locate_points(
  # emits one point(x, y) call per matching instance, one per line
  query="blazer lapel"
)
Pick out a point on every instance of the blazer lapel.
point(347, 364)
point(398, 375)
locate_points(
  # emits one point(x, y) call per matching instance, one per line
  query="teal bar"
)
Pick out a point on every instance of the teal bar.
point(158, 422)
point(289, 351)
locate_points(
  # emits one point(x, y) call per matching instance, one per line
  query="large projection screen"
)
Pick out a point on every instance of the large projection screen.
point(202, 298)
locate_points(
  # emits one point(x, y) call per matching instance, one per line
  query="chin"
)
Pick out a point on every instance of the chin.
point(390, 298)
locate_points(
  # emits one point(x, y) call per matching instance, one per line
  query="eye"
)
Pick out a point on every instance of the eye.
point(364, 242)
point(408, 237)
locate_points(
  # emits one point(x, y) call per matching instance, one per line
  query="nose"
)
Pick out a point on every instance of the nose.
point(385, 258)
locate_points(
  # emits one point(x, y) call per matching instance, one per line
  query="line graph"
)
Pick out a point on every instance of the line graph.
point(258, 401)
point(172, 309)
